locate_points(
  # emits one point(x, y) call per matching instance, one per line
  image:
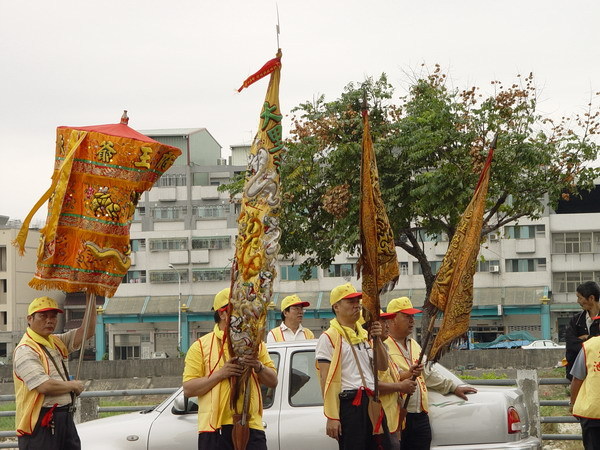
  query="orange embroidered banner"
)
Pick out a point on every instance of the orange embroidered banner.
point(257, 244)
point(452, 291)
point(377, 264)
point(100, 173)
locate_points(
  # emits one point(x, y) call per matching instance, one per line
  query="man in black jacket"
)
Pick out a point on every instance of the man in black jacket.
point(582, 326)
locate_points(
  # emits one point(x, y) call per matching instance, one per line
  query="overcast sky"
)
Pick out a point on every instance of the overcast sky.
point(175, 64)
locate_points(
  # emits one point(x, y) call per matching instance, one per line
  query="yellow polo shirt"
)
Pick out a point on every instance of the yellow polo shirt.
point(207, 355)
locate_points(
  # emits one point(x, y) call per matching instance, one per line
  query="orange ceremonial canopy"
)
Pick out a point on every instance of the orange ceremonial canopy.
point(100, 173)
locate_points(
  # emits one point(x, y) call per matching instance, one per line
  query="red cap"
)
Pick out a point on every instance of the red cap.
point(386, 316)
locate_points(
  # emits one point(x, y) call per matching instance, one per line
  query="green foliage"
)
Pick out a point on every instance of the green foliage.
point(431, 145)
point(7, 423)
point(486, 376)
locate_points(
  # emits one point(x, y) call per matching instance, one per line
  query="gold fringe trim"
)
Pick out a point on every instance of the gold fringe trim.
point(66, 286)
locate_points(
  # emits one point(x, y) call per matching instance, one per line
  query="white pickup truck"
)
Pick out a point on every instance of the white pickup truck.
point(494, 418)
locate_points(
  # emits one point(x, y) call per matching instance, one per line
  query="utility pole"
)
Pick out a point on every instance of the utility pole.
point(178, 310)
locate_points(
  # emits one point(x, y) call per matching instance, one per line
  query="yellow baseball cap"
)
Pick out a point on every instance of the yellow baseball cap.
point(43, 304)
point(221, 299)
point(342, 292)
point(293, 300)
point(403, 305)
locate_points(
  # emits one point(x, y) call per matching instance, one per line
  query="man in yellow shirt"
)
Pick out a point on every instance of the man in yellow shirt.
point(45, 394)
point(208, 367)
point(585, 388)
point(291, 329)
point(405, 352)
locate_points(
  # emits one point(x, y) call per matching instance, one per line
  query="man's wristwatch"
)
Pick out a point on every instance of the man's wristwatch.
point(262, 366)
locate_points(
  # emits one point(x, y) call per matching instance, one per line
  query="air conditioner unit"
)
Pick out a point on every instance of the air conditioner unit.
point(494, 269)
point(494, 237)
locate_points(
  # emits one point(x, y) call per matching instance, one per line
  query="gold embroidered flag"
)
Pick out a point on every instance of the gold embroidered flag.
point(257, 244)
point(452, 291)
point(377, 264)
point(100, 173)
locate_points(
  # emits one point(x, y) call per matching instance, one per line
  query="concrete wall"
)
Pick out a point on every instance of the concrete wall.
point(173, 367)
point(503, 358)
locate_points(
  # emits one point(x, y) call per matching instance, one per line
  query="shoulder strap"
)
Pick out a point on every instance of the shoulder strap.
point(64, 376)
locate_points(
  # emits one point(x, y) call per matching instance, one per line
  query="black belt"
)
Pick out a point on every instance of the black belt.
point(70, 408)
point(348, 395)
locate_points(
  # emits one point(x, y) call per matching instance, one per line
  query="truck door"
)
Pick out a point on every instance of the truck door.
point(272, 400)
point(301, 419)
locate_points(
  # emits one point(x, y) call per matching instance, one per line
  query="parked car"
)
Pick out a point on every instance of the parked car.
point(542, 343)
point(493, 418)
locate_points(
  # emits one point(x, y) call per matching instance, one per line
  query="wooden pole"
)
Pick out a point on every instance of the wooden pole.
point(90, 299)
point(423, 350)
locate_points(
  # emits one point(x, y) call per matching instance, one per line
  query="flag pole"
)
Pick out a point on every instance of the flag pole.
point(90, 298)
point(277, 28)
point(428, 334)
point(377, 300)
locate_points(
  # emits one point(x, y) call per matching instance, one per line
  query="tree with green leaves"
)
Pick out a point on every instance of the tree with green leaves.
point(431, 145)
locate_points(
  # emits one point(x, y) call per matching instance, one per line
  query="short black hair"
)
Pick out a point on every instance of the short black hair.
point(589, 288)
point(217, 317)
point(283, 315)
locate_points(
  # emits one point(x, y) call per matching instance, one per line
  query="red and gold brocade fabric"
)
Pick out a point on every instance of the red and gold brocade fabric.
point(378, 264)
point(452, 291)
point(100, 173)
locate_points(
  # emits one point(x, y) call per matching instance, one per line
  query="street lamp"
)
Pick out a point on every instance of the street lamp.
point(178, 309)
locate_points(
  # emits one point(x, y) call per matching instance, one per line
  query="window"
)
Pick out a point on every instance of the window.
point(2, 259)
point(484, 266)
point(168, 212)
point(305, 389)
point(3, 349)
point(212, 211)
point(293, 273)
point(435, 266)
point(534, 328)
point(403, 268)
point(211, 274)
point(212, 243)
point(75, 314)
point(135, 276)
point(268, 394)
point(526, 265)
point(140, 212)
point(172, 179)
point(127, 352)
point(161, 245)
point(568, 281)
point(137, 244)
point(574, 242)
point(340, 270)
point(425, 237)
point(525, 231)
point(168, 276)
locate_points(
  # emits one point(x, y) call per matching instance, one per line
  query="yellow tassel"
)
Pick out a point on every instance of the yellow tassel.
point(61, 176)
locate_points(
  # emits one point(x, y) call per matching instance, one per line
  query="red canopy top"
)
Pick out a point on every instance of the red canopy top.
point(115, 129)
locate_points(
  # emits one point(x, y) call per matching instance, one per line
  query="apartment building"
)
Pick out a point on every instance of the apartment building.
point(15, 293)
